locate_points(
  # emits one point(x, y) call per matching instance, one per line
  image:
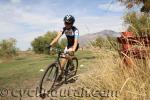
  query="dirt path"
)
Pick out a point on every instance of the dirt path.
point(63, 91)
point(70, 90)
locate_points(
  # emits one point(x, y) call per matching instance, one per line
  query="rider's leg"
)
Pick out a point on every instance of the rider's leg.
point(62, 64)
point(63, 61)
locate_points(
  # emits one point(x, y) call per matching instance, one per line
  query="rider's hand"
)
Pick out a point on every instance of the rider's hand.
point(48, 46)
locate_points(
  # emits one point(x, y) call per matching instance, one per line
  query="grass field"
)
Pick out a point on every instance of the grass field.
point(98, 69)
point(23, 71)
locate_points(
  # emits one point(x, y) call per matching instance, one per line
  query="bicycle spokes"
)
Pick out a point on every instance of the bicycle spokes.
point(48, 79)
point(52, 74)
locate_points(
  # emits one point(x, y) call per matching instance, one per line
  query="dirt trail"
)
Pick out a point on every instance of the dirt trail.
point(61, 92)
point(64, 90)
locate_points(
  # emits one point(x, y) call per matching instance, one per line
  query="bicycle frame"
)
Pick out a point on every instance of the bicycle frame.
point(58, 58)
point(59, 52)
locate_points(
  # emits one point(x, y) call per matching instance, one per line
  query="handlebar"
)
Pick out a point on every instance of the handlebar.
point(59, 51)
point(50, 48)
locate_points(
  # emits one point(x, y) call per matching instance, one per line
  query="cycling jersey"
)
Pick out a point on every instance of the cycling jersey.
point(71, 35)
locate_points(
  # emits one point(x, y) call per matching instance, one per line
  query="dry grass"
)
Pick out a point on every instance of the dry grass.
point(108, 73)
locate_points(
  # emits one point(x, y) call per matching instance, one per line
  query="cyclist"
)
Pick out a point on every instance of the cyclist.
point(72, 35)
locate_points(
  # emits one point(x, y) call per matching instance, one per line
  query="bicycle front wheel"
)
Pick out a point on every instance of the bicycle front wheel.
point(48, 79)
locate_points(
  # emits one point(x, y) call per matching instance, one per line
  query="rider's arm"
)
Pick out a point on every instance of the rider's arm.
point(76, 40)
point(56, 39)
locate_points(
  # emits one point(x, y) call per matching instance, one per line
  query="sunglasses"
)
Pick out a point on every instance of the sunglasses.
point(67, 23)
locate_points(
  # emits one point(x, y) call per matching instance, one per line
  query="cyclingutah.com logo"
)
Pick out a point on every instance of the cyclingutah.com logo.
point(61, 92)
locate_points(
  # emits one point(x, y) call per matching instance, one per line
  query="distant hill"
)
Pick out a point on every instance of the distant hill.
point(85, 39)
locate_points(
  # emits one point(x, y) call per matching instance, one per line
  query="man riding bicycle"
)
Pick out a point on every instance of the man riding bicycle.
point(72, 35)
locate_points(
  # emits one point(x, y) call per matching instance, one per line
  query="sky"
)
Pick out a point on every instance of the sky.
point(25, 20)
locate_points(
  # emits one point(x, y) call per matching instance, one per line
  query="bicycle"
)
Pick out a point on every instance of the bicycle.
point(53, 70)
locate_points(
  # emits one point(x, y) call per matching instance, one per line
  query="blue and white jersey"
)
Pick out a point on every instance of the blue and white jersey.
point(71, 35)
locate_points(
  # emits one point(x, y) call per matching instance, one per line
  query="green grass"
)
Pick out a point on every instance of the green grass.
point(23, 71)
point(27, 68)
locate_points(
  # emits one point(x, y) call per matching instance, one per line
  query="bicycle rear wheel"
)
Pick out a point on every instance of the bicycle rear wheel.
point(72, 66)
point(48, 79)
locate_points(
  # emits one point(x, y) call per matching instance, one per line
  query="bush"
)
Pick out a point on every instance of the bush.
point(108, 42)
point(8, 48)
point(98, 42)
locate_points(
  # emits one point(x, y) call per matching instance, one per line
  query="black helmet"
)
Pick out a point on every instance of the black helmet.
point(69, 19)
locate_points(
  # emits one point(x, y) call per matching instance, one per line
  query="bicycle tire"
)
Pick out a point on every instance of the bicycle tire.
point(50, 85)
point(75, 66)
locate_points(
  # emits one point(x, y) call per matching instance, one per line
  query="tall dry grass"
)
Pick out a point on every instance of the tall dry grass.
point(108, 72)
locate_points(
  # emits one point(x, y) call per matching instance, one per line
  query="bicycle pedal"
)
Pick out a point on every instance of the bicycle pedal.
point(43, 95)
point(66, 73)
point(71, 73)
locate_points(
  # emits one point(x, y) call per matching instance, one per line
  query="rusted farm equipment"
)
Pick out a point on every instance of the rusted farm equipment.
point(133, 47)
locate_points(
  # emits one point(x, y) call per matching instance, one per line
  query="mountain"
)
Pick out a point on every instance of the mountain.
point(85, 39)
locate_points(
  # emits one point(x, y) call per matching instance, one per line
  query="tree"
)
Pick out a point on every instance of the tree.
point(39, 43)
point(130, 3)
point(139, 23)
point(63, 43)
